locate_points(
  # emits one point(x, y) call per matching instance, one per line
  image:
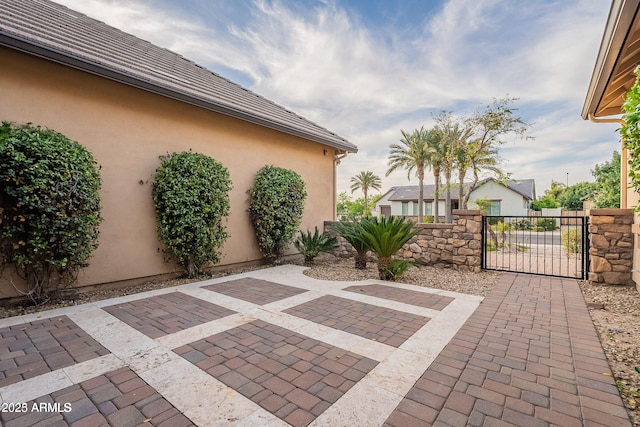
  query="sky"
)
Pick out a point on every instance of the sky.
point(367, 69)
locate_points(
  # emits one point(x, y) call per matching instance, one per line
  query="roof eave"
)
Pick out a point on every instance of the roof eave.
point(621, 16)
point(45, 52)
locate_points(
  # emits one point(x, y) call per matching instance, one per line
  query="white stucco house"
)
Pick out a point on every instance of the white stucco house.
point(510, 198)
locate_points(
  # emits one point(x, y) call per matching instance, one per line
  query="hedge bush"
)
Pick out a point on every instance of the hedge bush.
point(49, 207)
point(276, 203)
point(190, 194)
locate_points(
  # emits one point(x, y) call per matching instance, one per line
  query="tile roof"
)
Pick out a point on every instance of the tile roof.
point(524, 187)
point(54, 32)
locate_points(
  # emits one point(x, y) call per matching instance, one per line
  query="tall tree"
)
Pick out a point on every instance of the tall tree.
point(489, 126)
point(365, 181)
point(454, 154)
point(413, 153)
point(434, 162)
point(571, 198)
point(607, 178)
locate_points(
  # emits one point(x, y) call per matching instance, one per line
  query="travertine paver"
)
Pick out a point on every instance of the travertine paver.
point(294, 377)
point(529, 355)
point(117, 398)
point(165, 314)
point(256, 291)
point(421, 299)
point(29, 350)
point(381, 324)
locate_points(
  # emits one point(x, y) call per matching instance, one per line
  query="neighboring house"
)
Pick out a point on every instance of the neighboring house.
point(612, 78)
point(129, 101)
point(511, 198)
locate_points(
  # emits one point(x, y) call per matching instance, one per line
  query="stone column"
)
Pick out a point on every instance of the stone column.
point(610, 246)
point(467, 240)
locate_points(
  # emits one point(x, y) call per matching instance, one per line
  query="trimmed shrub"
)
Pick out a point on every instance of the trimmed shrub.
point(49, 207)
point(276, 203)
point(572, 240)
point(521, 224)
point(546, 224)
point(190, 194)
point(312, 245)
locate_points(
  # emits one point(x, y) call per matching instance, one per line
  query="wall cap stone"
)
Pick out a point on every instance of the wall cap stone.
point(609, 212)
point(467, 212)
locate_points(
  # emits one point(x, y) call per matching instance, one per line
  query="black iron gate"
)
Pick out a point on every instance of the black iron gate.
point(545, 245)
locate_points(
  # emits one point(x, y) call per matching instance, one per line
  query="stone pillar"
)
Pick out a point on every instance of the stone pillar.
point(467, 240)
point(610, 246)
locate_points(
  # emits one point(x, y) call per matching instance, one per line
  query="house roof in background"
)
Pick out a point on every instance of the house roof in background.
point(618, 56)
point(407, 193)
point(54, 32)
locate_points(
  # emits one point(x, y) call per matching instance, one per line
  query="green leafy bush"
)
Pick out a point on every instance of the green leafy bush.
point(572, 240)
point(312, 245)
point(521, 224)
point(49, 207)
point(276, 203)
point(546, 224)
point(190, 194)
point(385, 236)
point(352, 232)
point(630, 132)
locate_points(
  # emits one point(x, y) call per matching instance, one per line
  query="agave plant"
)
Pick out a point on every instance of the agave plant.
point(311, 245)
point(352, 233)
point(385, 236)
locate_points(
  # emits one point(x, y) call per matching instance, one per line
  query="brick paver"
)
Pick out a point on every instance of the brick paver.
point(294, 377)
point(421, 299)
point(256, 291)
point(117, 398)
point(165, 314)
point(35, 348)
point(529, 355)
point(381, 324)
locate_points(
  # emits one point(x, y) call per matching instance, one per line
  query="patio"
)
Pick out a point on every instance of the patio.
point(274, 347)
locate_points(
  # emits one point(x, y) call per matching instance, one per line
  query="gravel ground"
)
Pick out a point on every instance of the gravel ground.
point(618, 322)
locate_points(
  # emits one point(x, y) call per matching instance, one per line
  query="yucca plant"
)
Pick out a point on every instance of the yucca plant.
point(352, 233)
point(311, 245)
point(385, 236)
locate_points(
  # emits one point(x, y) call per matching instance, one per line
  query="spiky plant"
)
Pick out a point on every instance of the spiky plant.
point(352, 233)
point(311, 245)
point(385, 236)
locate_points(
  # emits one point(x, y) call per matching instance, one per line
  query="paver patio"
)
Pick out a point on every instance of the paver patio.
point(274, 347)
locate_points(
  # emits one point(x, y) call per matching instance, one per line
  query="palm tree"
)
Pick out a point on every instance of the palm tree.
point(435, 162)
point(413, 152)
point(365, 180)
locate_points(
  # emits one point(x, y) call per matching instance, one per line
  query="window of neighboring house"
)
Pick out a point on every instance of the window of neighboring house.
point(493, 208)
point(415, 208)
point(429, 208)
point(405, 208)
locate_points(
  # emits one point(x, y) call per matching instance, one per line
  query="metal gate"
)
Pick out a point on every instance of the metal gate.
point(545, 245)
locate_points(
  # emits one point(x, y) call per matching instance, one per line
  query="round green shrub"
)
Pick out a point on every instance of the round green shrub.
point(49, 207)
point(190, 194)
point(276, 203)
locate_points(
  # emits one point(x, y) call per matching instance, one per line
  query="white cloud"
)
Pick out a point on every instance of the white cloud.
point(368, 83)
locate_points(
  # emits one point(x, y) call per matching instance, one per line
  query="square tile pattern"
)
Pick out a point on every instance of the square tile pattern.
point(421, 299)
point(32, 349)
point(255, 291)
point(294, 377)
point(166, 314)
point(117, 398)
point(381, 324)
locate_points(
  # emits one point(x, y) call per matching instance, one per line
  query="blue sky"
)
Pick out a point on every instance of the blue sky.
point(366, 69)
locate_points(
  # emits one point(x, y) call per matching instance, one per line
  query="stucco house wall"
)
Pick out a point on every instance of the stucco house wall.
point(511, 202)
point(126, 129)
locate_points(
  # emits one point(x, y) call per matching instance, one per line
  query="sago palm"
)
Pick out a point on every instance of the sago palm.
point(365, 181)
point(352, 232)
point(311, 245)
point(385, 237)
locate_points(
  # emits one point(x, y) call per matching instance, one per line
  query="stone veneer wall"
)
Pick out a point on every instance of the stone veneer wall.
point(611, 246)
point(456, 245)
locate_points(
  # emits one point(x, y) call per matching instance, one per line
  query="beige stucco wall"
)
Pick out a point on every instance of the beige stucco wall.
point(126, 129)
